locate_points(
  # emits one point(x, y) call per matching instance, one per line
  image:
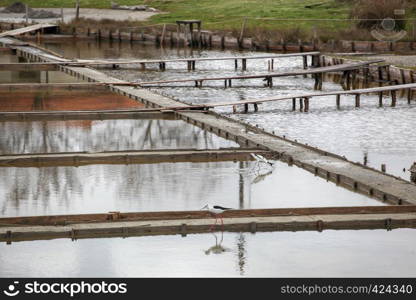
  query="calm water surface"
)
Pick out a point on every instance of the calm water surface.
point(166, 186)
point(364, 253)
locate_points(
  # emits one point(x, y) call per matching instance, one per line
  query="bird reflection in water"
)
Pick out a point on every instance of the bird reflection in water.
point(217, 248)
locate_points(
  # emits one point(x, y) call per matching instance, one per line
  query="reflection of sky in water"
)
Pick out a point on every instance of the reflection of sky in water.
point(166, 186)
point(363, 253)
point(107, 135)
point(385, 134)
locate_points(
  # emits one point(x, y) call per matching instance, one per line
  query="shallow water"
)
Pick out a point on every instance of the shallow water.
point(384, 134)
point(165, 186)
point(64, 99)
point(31, 76)
point(364, 253)
point(106, 135)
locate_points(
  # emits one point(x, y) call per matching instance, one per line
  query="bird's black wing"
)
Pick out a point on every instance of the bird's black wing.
point(220, 207)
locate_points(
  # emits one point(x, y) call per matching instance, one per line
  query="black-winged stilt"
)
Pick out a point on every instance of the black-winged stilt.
point(215, 211)
point(261, 159)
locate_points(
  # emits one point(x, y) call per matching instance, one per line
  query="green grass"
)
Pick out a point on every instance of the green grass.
point(227, 15)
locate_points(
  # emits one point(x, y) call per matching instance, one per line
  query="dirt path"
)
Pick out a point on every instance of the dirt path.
point(91, 13)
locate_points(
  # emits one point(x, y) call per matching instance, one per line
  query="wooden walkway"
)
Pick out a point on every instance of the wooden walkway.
point(268, 76)
point(27, 29)
point(116, 224)
point(304, 98)
point(162, 63)
point(410, 88)
point(191, 61)
point(23, 116)
point(128, 157)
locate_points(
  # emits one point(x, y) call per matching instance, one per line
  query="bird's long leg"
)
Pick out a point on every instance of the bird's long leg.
point(213, 225)
point(222, 223)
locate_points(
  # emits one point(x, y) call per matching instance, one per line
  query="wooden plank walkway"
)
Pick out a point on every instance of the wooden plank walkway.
point(27, 29)
point(23, 116)
point(268, 76)
point(93, 86)
point(324, 164)
point(161, 62)
point(128, 157)
point(303, 100)
point(116, 224)
point(304, 105)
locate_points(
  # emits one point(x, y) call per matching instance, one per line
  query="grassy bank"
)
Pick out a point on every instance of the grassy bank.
point(228, 15)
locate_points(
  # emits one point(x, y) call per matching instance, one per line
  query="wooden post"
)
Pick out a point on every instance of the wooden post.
point(383, 168)
point(393, 98)
point(305, 62)
point(77, 11)
point(191, 31)
point(229, 82)
point(300, 104)
point(223, 42)
point(321, 80)
point(178, 40)
point(409, 95)
point(240, 39)
point(62, 14)
point(27, 14)
point(245, 108)
point(162, 39)
point(357, 100)
point(348, 76)
point(256, 107)
point(199, 35)
point(236, 64)
point(293, 104)
point(244, 64)
point(380, 99)
point(338, 101)
point(306, 102)
point(380, 76)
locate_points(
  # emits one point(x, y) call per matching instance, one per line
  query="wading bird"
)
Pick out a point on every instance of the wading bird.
point(261, 159)
point(215, 211)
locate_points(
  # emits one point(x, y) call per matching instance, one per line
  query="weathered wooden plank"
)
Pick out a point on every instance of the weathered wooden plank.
point(82, 63)
point(27, 67)
point(127, 157)
point(201, 214)
point(334, 68)
point(113, 228)
point(23, 116)
point(27, 29)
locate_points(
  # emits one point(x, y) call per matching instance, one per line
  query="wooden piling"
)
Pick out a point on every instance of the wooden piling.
point(306, 102)
point(244, 64)
point(338, 101)
point(293, 104)
point(393, 98)
point(357, 100)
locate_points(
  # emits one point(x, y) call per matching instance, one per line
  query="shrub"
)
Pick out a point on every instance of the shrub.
point(373, 11)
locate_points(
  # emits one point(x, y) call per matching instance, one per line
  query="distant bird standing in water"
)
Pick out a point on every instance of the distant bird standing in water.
point(215, 211)
point(261, 159)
